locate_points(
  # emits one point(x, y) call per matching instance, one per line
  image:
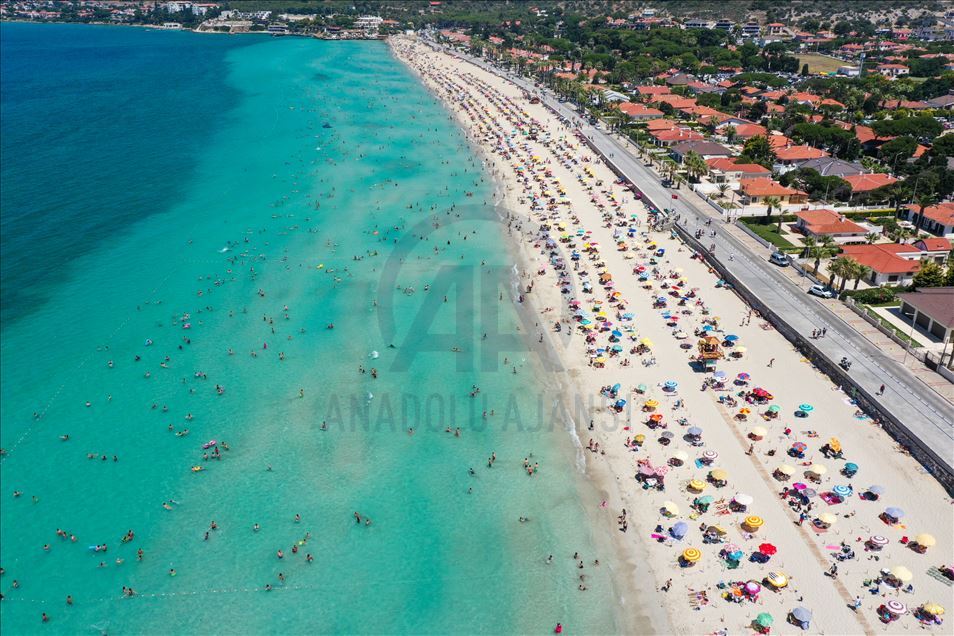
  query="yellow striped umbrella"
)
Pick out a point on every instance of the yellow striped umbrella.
point(691, 555)
point(754, 522)
point(697, 484)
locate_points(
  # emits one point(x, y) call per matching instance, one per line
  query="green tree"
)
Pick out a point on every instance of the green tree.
point(930, 275)
point(872, 237)
point(758, 150)
point(696, 166)
point(858, 272)
point(923, 201)
point(804, 70)
point(840, 268)
point(772, 203)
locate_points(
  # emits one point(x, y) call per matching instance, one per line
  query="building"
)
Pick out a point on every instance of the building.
point(893, 71)
point(639, 112)
point(831, 167)
point(725, 169)
point(751, 30)
point(697, 23)
point(724, 25)
point(755, 191)
point(794, 156)
point(817, 223)
point(868, 182)
point(938, 219)
point(368, 22)
point(932, 309)
point(675, 136)
point(889, 263)
point(707, 149)
point(849, 71)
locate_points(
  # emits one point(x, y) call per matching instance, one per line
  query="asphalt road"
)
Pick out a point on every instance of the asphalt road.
point(923, 412)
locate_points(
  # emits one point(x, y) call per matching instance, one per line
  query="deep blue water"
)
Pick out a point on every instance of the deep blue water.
point(94, 119)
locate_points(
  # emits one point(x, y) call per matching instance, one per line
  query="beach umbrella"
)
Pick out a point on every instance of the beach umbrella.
point(617, 348)
point(616, 387)
point(817, 469)
point(774, 408)
point(785, 469)
point(696, 484)
point(828, 519)
point(764, 620)
point(901, 573)
point(744, 410)
point(768, 549)
point(933, 609)
point(680, 455)
point(680, 529)
point(670, 508)
point(651, 403)
point(776, 579)
point(646, 469)
point(743, 376)
point(799, 447)
point(718, 474)
point(666, 434)
point(709, 455)
point(695, 431)
point(809, 493)
point(759, 432)
point(691, 555)
point(640, 438)
point(641, 388)
point(851, 467)
point(894, 513)
point(896, 607)
point(739, 350)
point(708, 328)
point(806, 408)
point(731, 338)
point(878, 540)
point(751, 587)
point(743, 500)
point(802, 614)
point(718, 375)
point(841, 491)
point(671, 384)
point(876, 490)
point(704, 500)
point(754, 522)
point(925, 540)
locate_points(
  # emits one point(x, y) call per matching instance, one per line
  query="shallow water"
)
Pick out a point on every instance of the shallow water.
point(141, 222)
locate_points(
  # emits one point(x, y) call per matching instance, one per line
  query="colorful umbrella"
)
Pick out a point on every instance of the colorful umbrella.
point(743, 500)
point(878, 540)
point(806, 408)
point(691, 555)
point(709, 455)
point(694, 431)
point(696, 484)
point(754, 522)
point(827, 518)
point(925, 540)
point(718, 474)
point(764, 619)
point(841, 491)
point(817, 469)
point(896, 607)
point(767, 549)
point(785, 469)
point(670, 508)
point(901, 573)
point(802, 614)
point(895, 513)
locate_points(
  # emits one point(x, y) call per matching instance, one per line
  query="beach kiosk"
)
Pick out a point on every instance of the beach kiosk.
point(710, 352)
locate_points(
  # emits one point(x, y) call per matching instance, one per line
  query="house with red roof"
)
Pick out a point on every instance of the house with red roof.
point(725, 169)
point(676, 101)
point(938, 219)
point(651, 91)
point(745, 132)
point(675, 136)
point(868, 182)
point(893, 71)
point(817, 223)
point(755, 191)
point(794, 155)
point(639, 112)
point(660, 124)
point(888, 262)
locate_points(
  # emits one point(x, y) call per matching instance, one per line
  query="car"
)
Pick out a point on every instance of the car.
point(779, 258)
point(821, 291)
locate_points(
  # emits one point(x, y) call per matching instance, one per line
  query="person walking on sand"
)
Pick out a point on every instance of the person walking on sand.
point(771, 362)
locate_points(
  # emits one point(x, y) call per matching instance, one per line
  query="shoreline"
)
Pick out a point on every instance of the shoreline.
point(633, 612)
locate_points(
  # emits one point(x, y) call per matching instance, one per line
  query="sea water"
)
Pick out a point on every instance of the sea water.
point(184, 218)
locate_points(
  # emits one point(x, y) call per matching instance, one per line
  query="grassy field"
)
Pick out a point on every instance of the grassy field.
point(820, 63)
point(767, 231)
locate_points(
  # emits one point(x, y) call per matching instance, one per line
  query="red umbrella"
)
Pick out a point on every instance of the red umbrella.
point(768, 549)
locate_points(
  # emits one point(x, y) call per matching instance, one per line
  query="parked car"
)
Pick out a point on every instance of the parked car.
point(821, 291)
point(779, 258)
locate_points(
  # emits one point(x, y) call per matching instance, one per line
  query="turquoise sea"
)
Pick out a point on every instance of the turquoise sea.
point(164, 197)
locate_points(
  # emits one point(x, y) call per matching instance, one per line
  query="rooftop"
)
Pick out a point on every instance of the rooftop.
point(936, 302)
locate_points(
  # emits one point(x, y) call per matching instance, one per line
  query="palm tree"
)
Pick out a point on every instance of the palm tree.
point(858, 272)
point(840, 267)
point(770, 203)
point(723, 188)
point(901, 234)
point(825, 246)
point(871, 237)
point(809, 246)
point(695, 164)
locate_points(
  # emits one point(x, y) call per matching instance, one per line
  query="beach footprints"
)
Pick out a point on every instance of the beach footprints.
point(435, 276)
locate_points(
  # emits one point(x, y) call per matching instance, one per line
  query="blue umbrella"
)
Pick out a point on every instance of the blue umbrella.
point(842, 491)
point(617, 333)
point(620, 403)
point(629, 316)
point(680, 529)
point(731, 338)
point(851, 466)
point(893, 512)
point(719, 374)
point(802, 614)
point(876, 490)
point(694, 430)
point(671, 384)
point(616, 348)
point(616, 387)
point(708, 328)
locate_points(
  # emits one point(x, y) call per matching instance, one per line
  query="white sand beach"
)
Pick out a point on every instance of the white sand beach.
point(552, 181)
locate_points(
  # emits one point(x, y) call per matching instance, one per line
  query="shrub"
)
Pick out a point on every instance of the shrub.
point(873, 296)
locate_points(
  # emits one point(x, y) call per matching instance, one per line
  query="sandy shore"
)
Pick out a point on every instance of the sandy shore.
point(550, 179)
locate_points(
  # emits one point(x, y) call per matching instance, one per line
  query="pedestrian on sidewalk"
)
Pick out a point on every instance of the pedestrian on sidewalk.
point(881, 390)
point(824, 331)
